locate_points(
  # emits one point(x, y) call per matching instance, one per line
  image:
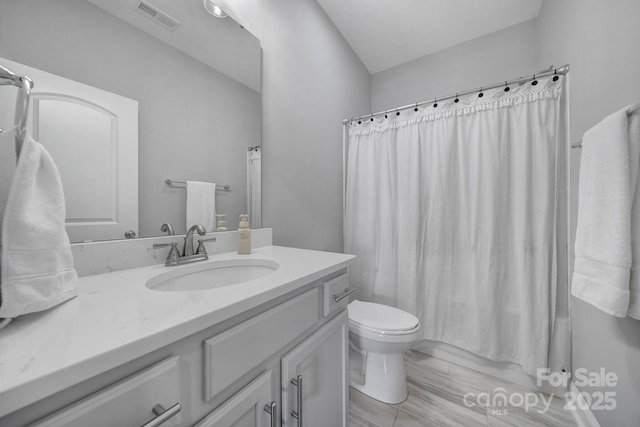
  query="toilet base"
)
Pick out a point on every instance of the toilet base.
point(385, 378)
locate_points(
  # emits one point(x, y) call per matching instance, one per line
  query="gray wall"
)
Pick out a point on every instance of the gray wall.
point(195, 123)
point(311, 80)
point(601, 41)
point(501, 55)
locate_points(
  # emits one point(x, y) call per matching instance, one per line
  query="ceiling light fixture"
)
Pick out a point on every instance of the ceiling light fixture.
point(214, 9)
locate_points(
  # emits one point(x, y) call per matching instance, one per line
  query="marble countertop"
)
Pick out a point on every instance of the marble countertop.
point(116, 319)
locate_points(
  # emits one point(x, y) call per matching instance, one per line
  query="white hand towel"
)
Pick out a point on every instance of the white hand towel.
point(201, 204)
point(37, 264)
point(634, 287)
point(608, 175)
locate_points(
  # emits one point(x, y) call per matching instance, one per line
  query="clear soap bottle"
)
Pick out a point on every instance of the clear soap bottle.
point(244, 235)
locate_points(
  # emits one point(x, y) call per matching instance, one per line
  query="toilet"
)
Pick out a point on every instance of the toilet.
point(377, 336)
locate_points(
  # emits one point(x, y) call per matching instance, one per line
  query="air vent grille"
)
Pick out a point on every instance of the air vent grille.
point(157, 15)
point(148, 10)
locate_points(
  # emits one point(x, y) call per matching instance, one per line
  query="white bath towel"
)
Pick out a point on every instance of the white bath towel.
point(201, 204)
point(634, 287)
point(603, 247)
point(37, 264)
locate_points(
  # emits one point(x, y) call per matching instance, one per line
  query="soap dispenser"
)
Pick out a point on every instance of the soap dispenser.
point(244, 235)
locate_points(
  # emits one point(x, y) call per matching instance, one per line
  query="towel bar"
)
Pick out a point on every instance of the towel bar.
point(174, 184)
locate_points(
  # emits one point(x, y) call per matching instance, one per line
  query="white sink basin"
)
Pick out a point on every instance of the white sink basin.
point(211, 275)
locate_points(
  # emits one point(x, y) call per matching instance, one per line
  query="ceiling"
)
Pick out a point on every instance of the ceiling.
point(386, 33)
point(229, 48)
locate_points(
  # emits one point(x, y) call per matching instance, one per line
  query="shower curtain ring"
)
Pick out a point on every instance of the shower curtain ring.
point(435, 104)
point(480, 95)
point(534, 82)
point(506, 86)
point(457, 99)
point(416, 109)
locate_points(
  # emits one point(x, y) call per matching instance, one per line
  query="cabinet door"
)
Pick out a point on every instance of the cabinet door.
point(318, 369)
point(247, 408)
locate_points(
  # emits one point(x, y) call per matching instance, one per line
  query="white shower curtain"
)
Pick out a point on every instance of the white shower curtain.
point(451, 212)
point(254, 186)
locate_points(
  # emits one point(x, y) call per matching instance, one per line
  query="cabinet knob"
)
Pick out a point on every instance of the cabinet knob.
point(272, 410)
point(298, 415)
point(162, 415)
point(129, 234)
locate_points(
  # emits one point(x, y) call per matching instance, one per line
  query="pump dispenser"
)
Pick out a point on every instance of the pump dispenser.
point(244, 235)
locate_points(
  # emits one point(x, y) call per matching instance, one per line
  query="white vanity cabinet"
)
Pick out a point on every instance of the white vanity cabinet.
point(233, 372)
point(312, 381)
point(313, 371)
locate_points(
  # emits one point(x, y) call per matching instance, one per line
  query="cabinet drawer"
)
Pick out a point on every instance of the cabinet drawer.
point(336, 293)
point(233, 353)
point(129, 402)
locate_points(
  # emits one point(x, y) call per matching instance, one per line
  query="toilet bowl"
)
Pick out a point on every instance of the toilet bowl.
point(378, 334)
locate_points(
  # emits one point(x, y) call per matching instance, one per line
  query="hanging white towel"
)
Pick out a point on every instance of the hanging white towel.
point(254, 187)
point(201, 204)
point(37, 264)
point(603, 247)
point(634, 286)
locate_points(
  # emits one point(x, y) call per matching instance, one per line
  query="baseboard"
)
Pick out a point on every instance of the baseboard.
point(583, 417)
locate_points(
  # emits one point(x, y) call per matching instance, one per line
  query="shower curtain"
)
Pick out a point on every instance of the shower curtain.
point(451, 211)
point(254, 186)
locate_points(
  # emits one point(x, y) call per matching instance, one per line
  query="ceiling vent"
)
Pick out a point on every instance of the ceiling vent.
point(157, 15)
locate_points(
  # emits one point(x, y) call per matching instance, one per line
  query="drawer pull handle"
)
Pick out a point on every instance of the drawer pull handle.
point(298, 415)
point(272, 410)
point(347, 292)
point(162, 415)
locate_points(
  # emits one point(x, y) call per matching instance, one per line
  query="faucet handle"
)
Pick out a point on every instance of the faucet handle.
point(164, 245)
point(172, 258)
point(201, 248)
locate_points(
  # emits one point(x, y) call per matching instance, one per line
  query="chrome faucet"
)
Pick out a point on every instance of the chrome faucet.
point(187, 256)
point(187, 250)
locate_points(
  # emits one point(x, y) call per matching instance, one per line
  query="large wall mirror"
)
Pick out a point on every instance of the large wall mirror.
point(195, 79)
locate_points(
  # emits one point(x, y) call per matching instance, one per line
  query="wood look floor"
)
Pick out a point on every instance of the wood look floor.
point(436, 392)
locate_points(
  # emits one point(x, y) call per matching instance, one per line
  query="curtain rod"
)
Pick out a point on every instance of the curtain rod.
point(548, 72)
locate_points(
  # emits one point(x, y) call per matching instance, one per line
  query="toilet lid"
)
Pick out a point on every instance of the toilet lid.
point(381, 317)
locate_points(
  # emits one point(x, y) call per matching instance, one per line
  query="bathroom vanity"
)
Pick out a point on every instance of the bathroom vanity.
point(264, 352)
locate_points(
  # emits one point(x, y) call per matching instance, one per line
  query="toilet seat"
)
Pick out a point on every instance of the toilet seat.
point(381, 319)
point(361, 329)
